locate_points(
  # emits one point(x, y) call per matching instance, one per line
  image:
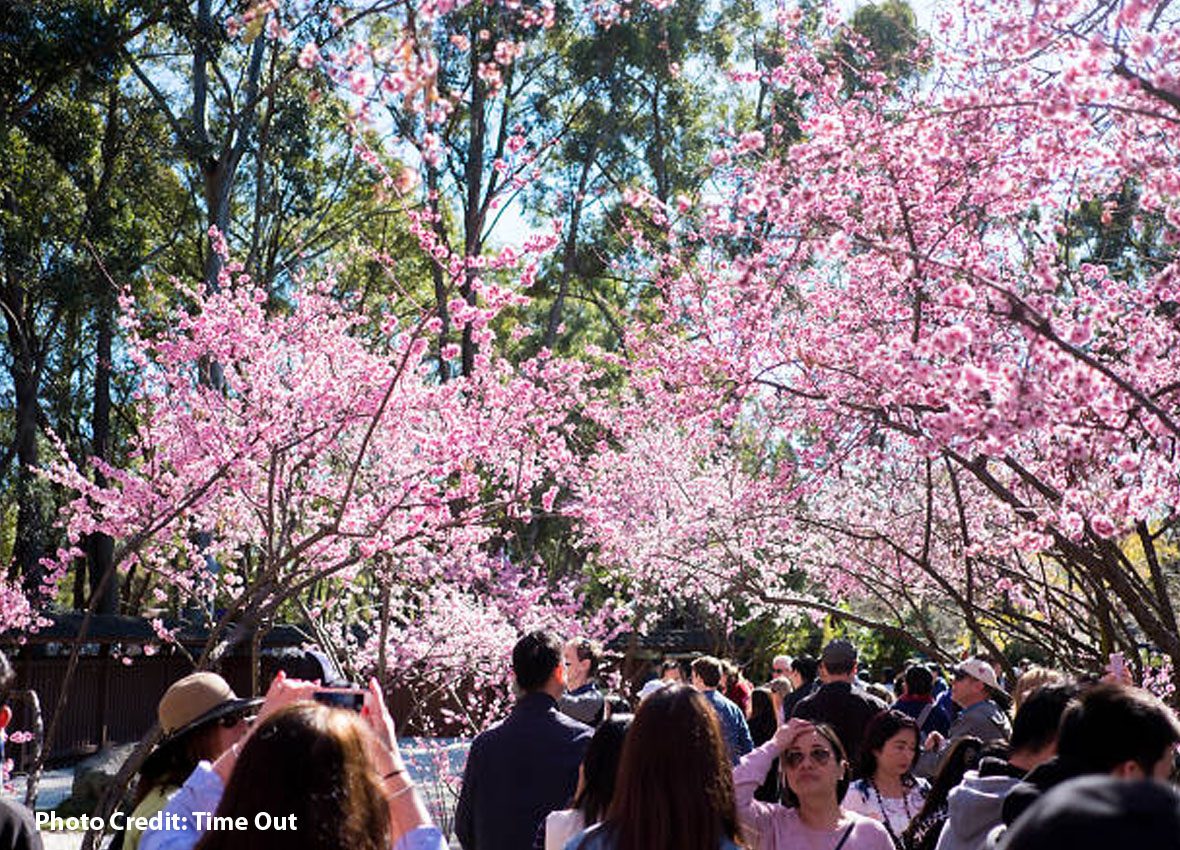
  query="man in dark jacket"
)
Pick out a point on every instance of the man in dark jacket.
point(525, 766)
point(841, 702)
point(583, 700)
point(1114, 729)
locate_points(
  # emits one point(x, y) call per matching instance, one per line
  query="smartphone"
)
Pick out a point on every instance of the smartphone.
point(350, 698)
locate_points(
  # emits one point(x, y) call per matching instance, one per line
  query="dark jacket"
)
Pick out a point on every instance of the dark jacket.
point(518, 771)
point(937, 718)
point(17, 829)
point(845, 708)
point(797, 696)
point(1040, 779)
point(583, 704)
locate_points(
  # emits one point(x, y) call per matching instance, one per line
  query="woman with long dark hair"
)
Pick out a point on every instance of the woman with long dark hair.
point(596, 784)
point(763, 724)
point(674, 789)
point(887, 790)
point(815, 771)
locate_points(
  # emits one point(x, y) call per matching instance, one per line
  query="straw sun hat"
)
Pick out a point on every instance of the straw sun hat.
point(196, 700)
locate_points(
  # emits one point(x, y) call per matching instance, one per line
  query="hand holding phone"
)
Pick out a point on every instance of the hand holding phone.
point(1118, 667)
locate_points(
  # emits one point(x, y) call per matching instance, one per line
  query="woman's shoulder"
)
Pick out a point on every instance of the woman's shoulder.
point(593, 838)
point(561, 826)
point(866, 833)
point(859, 792)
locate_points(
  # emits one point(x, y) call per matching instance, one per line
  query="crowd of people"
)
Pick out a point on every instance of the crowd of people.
point(817, 758)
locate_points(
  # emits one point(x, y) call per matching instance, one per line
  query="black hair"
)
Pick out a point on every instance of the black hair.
point(1112, 724)
point(600, 767)
point(763, 720)
point(919, 681)
point(534, 658)
point(588, 650)
point(881, 727)
point(805, 666)
point(1039, 717)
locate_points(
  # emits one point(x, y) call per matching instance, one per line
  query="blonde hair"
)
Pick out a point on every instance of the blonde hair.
point(1031, 679)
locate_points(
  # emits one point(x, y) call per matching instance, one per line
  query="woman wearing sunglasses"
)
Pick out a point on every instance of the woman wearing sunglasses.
point(815, 774)
point(201, 717)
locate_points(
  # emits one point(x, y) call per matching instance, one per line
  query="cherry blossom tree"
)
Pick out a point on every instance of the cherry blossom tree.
point(976, 396)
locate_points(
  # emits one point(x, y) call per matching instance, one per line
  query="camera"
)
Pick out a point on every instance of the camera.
point(348, 698)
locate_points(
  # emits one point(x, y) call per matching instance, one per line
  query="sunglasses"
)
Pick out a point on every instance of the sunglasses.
point(781, 670)
point(819, 755)
point(232, 720)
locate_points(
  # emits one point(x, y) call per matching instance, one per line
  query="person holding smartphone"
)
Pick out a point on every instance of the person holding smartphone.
point(307, 777)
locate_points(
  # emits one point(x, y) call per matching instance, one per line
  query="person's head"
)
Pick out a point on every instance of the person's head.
point(312, 762)
point(731, 673)
point(1094, 812)
point(761, 704)
point(537, 663)
point(1119, 730)
point(919, 681)
point(600, 767)
point(706, 673)
point(1034, 730)
point(780, 667)
point(1031, 679)
point(975, 681)
point(815, 768)
point(200, 717)
point(889, 746)
point(582, 657)
point(837, 663)
point(804, 669)
point(675, 784)
point(779, 688)
point(671, 670)
point(203, 709)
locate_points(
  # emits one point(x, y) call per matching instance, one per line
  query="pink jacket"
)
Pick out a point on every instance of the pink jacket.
point(770, 826)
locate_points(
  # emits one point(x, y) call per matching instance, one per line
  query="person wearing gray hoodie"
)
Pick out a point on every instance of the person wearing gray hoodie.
point(975, 805)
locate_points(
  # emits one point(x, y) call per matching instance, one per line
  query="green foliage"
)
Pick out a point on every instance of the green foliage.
point(890, 33)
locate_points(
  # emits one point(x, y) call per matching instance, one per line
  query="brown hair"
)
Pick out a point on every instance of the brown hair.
point(675, 784)
point(709, 669)
point(309, 761)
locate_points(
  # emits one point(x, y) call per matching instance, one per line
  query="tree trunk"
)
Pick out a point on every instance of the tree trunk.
point(26, 374)
point(100, 548)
